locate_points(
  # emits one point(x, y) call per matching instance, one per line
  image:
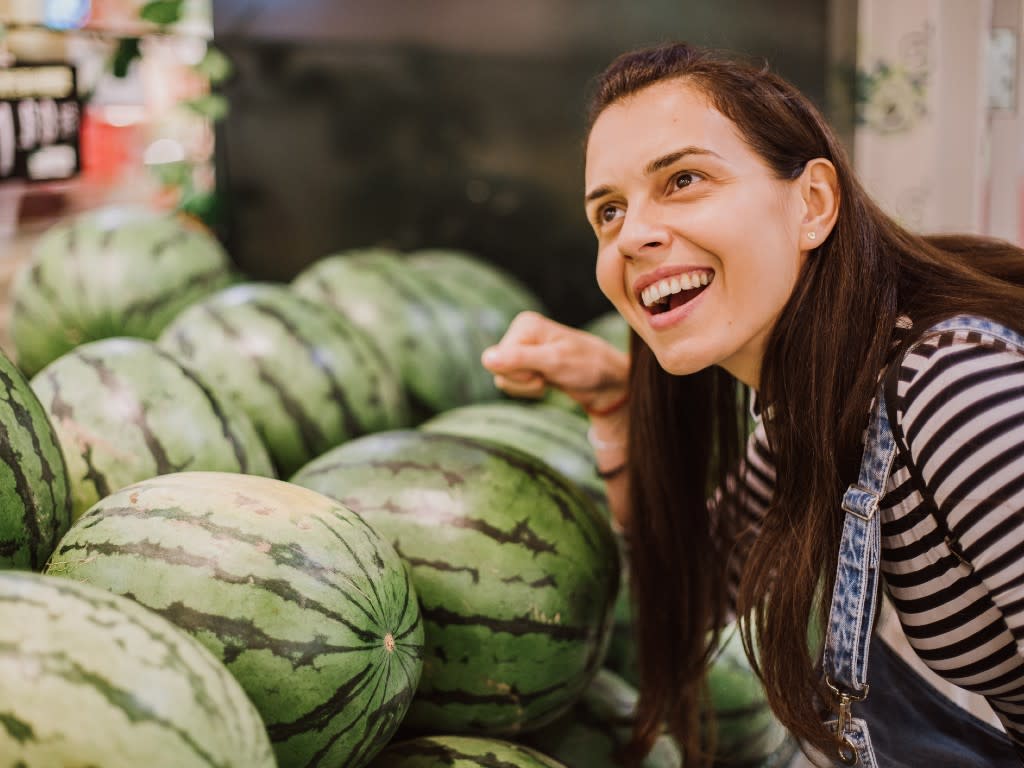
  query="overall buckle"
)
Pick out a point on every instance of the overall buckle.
point(844, 703)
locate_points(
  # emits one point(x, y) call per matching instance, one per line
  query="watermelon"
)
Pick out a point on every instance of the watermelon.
point(492, 286)
point(461, 752)
point(421, 324)
point(487, 298)
point(35, 493)
point(92, 679)
point(358, 284)
point(515, 569)
point(598, 727)
point(124, 411)
point(308, 378)
point(557, 438)
point(307, 606)
point(748, 732)
point(112, 272)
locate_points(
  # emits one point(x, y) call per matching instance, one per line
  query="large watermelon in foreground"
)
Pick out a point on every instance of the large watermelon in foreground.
point(308, 378)
point(461, 752)
point(112, 272)
point(515, 569)
point(35, 494)
point(92, 679)
point(308, 607)
point(124, 411)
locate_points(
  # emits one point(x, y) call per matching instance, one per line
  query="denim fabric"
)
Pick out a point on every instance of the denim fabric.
point(912, 725)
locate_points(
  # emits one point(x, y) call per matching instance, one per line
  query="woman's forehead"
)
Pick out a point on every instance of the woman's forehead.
point(658, 119)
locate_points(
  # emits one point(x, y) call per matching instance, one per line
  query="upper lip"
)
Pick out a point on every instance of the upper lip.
point(662, 273)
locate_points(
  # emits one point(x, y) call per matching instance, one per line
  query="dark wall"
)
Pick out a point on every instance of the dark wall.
point(447, 123)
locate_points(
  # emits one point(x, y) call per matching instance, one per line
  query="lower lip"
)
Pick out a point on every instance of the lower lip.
point(664, 320)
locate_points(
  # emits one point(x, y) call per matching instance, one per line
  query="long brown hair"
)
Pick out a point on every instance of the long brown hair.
point(818, 377)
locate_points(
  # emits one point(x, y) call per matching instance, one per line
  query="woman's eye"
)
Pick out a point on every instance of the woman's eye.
point(684, 179)
point(608, 213)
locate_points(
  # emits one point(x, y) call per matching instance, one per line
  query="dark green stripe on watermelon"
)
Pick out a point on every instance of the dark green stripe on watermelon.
point(515, 569)
point(35, 494)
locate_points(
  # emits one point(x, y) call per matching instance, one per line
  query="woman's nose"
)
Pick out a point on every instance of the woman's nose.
point(642, 232)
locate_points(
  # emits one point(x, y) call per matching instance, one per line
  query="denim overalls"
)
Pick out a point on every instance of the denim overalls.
point(912, 725)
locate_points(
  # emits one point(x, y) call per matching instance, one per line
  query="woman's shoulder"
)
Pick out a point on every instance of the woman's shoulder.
point(957, 357)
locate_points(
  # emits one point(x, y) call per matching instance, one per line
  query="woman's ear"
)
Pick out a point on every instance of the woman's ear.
point(819, 188)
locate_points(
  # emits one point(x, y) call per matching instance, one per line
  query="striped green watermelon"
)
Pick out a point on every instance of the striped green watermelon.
point(124, 411)
point(600, 725)
point(491, 284)
point(358, 284)
point(308, 607)
point(557, 438)
point(515, 569)
point(461, 752)
point(35, 496)
point(308, 378)
point(487, 298)
point(420, 323)
point(748, 732)
point(113, 272)
point(92, 679)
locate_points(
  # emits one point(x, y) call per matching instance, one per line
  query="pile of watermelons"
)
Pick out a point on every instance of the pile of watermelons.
point(250, 524)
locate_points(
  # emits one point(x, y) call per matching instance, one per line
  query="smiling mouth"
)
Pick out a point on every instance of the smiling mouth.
point(673, 292)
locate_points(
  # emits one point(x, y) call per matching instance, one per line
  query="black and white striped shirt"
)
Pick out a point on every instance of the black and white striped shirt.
point(953, 539)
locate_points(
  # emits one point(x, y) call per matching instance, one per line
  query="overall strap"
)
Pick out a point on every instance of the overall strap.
point(855, 595)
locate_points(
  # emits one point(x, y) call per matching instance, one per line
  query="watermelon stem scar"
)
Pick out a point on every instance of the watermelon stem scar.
point(389, 642)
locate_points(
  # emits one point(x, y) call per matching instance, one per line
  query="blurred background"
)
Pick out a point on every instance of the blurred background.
point(298, 129)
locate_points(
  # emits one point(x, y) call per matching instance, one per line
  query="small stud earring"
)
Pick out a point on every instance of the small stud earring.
point(812, 235)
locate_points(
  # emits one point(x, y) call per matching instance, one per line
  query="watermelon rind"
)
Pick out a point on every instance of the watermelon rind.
point(35, 492)
point(307, 606)
point(92, 679)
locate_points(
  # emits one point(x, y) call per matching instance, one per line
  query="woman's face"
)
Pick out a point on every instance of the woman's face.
point(699, 244)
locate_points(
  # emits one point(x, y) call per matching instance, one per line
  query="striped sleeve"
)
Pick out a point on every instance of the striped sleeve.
point(961, 408)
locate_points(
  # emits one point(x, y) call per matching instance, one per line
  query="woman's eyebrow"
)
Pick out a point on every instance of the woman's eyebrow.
point(656, 165)
point(666, 160)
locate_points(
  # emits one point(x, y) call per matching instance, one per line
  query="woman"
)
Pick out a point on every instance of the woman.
point(735, 240)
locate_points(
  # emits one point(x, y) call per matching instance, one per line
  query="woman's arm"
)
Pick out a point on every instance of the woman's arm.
point(954, 554)
point(537, 352)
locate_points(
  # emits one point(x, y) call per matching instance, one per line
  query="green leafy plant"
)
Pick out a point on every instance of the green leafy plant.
point(215, 68)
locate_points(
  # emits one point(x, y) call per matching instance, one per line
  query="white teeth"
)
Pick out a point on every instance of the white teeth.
point(652, 294)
